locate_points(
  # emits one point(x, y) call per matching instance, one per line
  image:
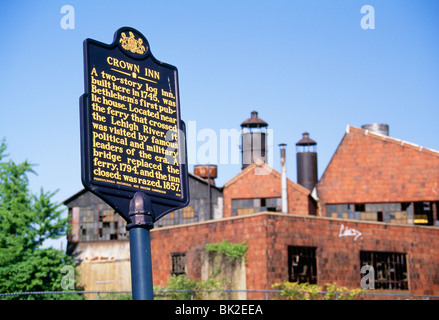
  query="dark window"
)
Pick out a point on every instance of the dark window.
point(273, 204)
point(380, 216)
point(390, 269)
point(423, 213)
point(302, 265)
point(178, 263)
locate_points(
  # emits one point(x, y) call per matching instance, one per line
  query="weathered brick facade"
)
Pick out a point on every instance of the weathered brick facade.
point(264, 182)
point(368, 167)
point(268, 236)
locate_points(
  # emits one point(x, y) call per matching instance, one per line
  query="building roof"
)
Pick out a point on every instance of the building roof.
point(254, 121)
point(368, 167)
point(74, 197)
point(191, 176)
point(264, 169)
point(306, 140)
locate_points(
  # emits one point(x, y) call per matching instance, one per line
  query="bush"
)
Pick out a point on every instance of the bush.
point(232, 251)
point(189, 289)
point(306, 291)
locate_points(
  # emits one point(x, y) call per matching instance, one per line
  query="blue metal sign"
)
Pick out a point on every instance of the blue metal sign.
point(132, 136)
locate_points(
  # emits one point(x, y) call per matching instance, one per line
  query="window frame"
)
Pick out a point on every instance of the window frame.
point(178, 263)
point(296, 254)
point(390, 269)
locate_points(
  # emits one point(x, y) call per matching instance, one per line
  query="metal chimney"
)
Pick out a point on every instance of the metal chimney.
point(254, 140)
point(306, 162)
point(283, 164)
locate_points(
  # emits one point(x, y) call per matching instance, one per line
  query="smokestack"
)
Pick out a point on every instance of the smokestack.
point(254, 140)
point(306, 162)
point(283, 164)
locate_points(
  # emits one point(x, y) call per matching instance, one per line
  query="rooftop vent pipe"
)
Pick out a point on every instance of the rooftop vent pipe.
point(283, 164)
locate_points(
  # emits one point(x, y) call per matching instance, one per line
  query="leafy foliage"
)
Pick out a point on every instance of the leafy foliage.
point(190, 289)
point(26, 221)
point(116, 296)
point(232, 251)
point(306, 291)
point(341, 293)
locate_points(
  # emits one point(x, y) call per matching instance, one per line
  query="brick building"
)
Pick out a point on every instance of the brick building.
point(257, 188)
point(305, 248)
point(375, 177)
point(378, 206)
point(98, 239)
point(375, 204)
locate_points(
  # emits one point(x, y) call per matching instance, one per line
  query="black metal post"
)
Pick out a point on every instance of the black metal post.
point(142, 221)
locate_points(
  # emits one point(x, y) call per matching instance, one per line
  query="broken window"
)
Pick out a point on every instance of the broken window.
point(390, 269)
point(392, 212)
point(178, 263)
point(253, 205)
point(423, 213)
point(302, 266)
point(99, 222)
point(342, 211)
point(188, 214)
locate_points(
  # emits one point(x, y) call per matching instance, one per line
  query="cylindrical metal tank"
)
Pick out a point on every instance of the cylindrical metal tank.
point(307, 169)
point(377, 128)
point(253, 148)
point(206, 171)
point(306, 162)
point(254, 140)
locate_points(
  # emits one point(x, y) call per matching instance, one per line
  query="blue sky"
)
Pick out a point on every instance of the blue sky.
point(303, 65)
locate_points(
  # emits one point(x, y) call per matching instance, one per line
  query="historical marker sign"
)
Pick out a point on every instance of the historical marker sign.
point(132, 136)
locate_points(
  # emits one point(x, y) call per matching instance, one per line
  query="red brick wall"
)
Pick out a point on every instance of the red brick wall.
point(268, 236)
point(368, 168)
point(250, 183)
point(192, 239)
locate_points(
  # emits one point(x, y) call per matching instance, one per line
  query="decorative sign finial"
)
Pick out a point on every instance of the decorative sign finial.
point(131, 44)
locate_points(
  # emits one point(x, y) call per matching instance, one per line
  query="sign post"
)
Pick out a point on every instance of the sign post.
point(133, 145)
point(140, 247)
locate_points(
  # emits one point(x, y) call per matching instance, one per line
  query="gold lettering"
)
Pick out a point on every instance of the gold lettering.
point(130, 117)
point(152, 74)
point(123, 64)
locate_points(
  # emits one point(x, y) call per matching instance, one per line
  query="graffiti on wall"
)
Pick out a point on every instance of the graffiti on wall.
point(349, 232)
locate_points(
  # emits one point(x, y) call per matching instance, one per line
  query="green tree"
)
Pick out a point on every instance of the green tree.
point(26, 221)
